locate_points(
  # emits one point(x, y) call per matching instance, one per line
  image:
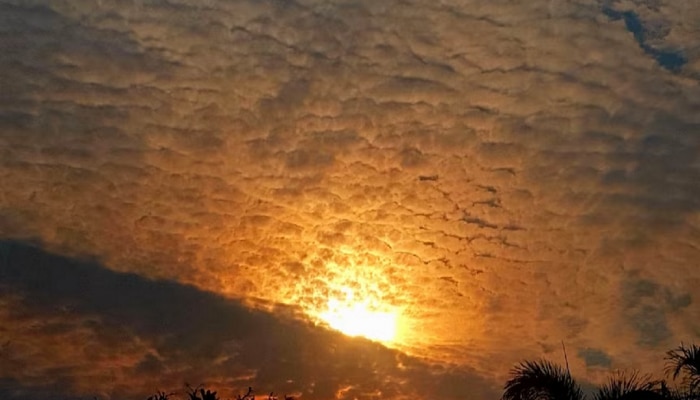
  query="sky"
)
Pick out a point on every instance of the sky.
point(343, 199)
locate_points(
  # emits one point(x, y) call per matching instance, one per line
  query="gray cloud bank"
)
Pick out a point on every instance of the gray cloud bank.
point(527, 170)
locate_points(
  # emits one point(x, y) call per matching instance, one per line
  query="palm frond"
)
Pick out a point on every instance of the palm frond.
point(541, 380)
point(684, 361)
point(630, 386)
point(674, 393)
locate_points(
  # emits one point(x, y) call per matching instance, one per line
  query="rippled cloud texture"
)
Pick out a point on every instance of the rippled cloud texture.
point(185, 182)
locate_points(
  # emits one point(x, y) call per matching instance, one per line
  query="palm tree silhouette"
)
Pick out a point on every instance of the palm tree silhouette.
point(541, 380)
point(684, 362)
point(623, 386)
point(544, 380)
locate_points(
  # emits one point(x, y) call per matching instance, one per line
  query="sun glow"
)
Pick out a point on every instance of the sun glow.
point(354, 293)
point(355, 317)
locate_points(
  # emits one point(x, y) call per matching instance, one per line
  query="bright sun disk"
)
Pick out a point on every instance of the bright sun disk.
point(359, 319)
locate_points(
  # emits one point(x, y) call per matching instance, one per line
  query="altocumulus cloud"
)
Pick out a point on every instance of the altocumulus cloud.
point(530, 170)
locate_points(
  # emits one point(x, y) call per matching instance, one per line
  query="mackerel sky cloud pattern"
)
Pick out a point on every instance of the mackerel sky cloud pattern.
point(508, 175)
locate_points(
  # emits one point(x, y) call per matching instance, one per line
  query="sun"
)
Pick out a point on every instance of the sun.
point(353, 294)
point(357, 317)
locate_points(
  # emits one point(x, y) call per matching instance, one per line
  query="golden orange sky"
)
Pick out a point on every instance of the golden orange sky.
point(209, 191)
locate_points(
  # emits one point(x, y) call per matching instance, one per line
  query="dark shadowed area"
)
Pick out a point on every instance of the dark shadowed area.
point(197, 336)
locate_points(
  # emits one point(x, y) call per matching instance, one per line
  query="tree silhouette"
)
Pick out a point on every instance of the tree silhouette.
point(541, 380)
point(199, 393)
point(544, 380)
point(160, 396)
point(684, 362)
point(249, 395)
point(630, 387)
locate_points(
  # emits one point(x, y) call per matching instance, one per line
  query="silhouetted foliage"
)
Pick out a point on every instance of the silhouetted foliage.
point(160, 396)
point(544, 380)
point(684, 362)
point(630, 386)
point(199, 393)
point(249, 395)
point(675, 393)
point(541, 380)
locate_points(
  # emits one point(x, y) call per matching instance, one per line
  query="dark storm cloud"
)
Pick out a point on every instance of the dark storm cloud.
point(204, 335)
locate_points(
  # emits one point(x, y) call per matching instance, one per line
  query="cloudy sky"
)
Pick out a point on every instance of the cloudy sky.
point(220, 191)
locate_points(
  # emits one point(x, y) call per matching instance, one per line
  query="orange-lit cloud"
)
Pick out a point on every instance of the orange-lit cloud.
point(502, 176)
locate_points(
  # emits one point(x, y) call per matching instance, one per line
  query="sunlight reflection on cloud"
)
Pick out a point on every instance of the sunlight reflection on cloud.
point(508, 172)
